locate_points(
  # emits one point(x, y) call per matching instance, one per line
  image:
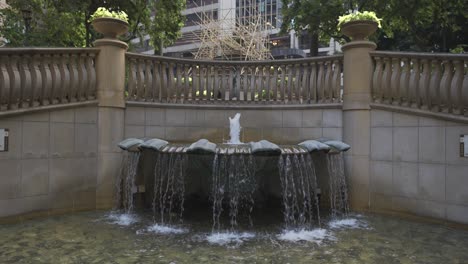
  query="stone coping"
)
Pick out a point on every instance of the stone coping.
point(241, 106)
point(419, 112)
point(22, 111)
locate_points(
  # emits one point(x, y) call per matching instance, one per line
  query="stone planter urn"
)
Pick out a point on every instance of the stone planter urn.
point(359, 29)
point(110, 27)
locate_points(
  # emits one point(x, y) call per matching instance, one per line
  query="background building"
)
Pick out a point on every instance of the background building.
point(281, 45)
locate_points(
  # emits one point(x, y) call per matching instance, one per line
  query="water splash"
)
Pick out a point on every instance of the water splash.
point(169, 187)
point(125, 184)
point(316, 235)
point(165, 229)
point(234, 129)
point(348, 223)
point(298, 185)
point(232, 179)
point(122, 219)
point(339, 204)
point(228, 238)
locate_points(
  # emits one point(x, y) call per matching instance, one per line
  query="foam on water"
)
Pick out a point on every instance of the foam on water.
point(122, 219)
point(225, 238)
point(165, 229)
point(350, 223)
point(316, 235)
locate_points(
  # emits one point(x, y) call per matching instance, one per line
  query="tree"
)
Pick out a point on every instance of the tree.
point(167, 23)
point(419, 25)
point(319, 18)
point(65, 23)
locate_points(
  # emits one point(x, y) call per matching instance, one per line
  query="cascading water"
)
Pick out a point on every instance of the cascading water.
point(125, 184)
point(299, 185)
point(234, 129)
point(169, 186)
point(339, 203)
point(233, 179)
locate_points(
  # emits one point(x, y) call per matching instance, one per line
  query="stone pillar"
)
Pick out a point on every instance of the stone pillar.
point(356, 119)
point(110, 67)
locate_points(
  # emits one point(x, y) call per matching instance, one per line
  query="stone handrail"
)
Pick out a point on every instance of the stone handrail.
point(425, 81)
point(36, 77)
point(182, 81)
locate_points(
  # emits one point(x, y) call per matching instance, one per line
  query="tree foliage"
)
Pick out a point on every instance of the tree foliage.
point(66, 23)
point(168, 21)
point(418, 25)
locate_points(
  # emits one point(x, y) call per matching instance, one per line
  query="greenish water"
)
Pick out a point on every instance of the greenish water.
point(92, 237)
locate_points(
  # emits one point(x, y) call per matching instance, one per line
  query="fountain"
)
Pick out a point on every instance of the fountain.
point(237, 178)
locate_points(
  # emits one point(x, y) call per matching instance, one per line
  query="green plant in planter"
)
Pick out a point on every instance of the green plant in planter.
point(366, 15)
point(103, 12)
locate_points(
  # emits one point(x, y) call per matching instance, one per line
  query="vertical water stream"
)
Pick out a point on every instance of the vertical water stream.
point(125, 184)
point(339, 203)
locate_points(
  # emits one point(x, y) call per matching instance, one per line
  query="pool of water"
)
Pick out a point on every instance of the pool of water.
point(105, 237)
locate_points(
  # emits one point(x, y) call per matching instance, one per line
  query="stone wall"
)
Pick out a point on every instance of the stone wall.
point(51, 164)
point(285, 126)
point(416, 168)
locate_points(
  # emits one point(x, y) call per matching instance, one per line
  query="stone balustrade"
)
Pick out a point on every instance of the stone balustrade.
point(425, 81)
point(169, 80)
point(33, 77)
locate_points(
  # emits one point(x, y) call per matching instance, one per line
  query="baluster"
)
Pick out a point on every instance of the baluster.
point(414, 84)
point(140, 80)
point(305, 83)
point(25, 96)
point(395, 81)
point(387, 73)
point(187, 96)
point(297, 91)
point(165, 93)
point(275, 82)
point(456, 86)
point(4, 81)
point(196, 81)
point(247, 83)
point(131, 79)
point(216, 91)
point(313, 83)
point(465, 91)
point(73, 68)
point(157, 81)
point(15, 82)
point(83, 78)
point(209, 80)
point(172, 84)
point(46, 76)
point(336, 85)
point(434, 85)
point(178, 83)
point(445, 85)
point(237, 85)
point(281, 83)
point(193, 85)
point(252, 85)
point(90, 76)
point(258, 83)
point(230, 82)
point(404, 82)
point(424, 83)
point(149, 91)
point(204, 90)
point(243, 82)
point(64, 72)
point(320, 82)
point(266, 83)
point(377, 80)
point(328, 82)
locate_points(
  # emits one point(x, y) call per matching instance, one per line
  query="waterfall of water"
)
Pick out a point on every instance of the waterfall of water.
point(169, 186)
point(125, 184)
point(338, 188)
point(233, 180)
point(299, 185)
point(234, 129)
